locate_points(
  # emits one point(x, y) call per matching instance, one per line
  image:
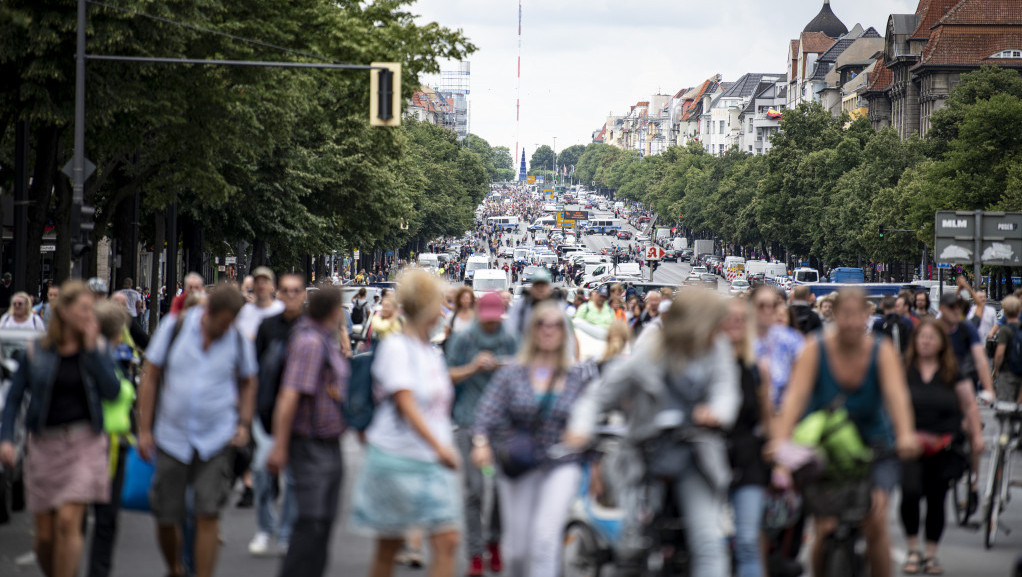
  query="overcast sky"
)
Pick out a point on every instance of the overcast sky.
point(583, 59)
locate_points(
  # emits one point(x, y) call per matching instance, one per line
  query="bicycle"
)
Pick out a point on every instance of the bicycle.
point(849, 501)
point(965, 500)
point(999, 482)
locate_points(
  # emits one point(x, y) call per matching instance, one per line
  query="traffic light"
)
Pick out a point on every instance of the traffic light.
point(385, 94)
point(883, 229)
point(86, 224)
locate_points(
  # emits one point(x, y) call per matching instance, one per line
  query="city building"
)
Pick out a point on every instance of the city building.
point(454, 85)
point(761, 118)
point(928, 51)
point(427, 105)
point(817, 37)
point(721, 122)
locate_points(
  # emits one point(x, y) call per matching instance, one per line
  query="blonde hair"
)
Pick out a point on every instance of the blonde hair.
point(1011, 306)
point(28, 300)
point(617, 339)
point(529, 347)
point(112, 318)
point(70, 292)
point(690, 325)
point(417, 291)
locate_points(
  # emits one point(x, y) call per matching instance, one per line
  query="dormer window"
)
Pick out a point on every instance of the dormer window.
point(1014, 54)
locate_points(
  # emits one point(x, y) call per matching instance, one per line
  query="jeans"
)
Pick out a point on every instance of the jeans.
point(748, 502)
point(477, 532)
point(266, 514)
point(104, 530)
point(535, 509)
point(317, 469)
point(702, 506)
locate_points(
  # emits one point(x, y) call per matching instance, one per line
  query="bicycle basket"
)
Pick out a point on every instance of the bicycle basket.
point(848, 500)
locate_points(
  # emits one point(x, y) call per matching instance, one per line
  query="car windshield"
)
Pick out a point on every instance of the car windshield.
point(739, 284)
point(699, 269)
point(489, 284)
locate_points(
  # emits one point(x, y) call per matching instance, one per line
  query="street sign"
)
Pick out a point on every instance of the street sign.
point(999, 236)
point(231, 260)
point(944, 265)
point(530, 179)
point(564, 222)
point(48, 248)
point(654, 252)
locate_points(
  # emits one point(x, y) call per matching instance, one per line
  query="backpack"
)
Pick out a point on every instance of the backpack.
point(271, 371)
point(1013, 361)
point(898, 330)
point(806, 321)
point(358, 313)
point(360, 402)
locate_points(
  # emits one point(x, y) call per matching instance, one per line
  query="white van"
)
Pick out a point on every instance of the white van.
point(542, 223)
point(490, 280)
point(806, 275)
point(475, 262)
point(767, 269)
point(521, 254)
point(503, 222)
point(429, 260)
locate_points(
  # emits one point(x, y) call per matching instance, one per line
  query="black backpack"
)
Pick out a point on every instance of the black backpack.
point(1013, 361)
point(806, 320)
point(358, 313)
point(897, 329)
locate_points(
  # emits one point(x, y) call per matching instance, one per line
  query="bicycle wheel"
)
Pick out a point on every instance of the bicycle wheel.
point(581, 555)
point(960, 490)
point(993, 501)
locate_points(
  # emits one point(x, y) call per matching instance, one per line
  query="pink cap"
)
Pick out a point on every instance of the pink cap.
point(491, 307)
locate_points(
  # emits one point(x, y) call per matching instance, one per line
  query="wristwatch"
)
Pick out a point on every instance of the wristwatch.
point(479, 441)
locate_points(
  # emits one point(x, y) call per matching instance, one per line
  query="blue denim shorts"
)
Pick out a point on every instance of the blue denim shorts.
point(886, 474)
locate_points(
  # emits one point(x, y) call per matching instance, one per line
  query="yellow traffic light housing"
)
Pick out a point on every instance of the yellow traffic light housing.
point(385, 94)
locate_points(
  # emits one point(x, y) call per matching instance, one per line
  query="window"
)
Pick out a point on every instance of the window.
point(722, 127)
point(750, 127)
point(1008, 54)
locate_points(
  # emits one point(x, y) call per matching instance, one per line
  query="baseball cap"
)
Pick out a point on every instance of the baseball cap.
point(541, 275)
point(604, 291)
point(264, 271)
point(98, 285)
point(491, 307)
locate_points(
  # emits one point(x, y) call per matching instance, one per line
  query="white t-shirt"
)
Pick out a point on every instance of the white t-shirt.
point(987, 322)
point(33, 322)
point(132, 297)
point(406, 364)
point(251, 317)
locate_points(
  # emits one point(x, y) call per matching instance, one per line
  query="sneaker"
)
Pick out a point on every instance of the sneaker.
point(475, 567)
point(496, 562)
point(415, 559)
point(260, 544)
point(282, 547)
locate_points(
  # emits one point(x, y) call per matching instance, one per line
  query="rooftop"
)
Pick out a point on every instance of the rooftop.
point(827, 22)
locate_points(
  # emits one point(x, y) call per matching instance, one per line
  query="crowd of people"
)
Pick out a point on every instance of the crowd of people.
point(253, 385)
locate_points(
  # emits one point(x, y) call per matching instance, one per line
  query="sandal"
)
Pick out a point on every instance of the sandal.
point(932, 567)
point(913, 562)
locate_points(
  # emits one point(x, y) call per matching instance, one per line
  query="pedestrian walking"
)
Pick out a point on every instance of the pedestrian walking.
point(474, 355)
point(408, 480)
point(112, 319)
point(272, 341)
point(45, 308)
point(527, 405)
point(203, 371)
point(307, 428)
point(20, 315)
point(941, 399)
point(66, 374)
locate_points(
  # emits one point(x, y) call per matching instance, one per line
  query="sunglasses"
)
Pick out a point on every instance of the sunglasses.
point(20, 303)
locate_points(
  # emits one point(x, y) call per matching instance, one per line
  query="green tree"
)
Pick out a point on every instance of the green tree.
point(570, 156)
point(542, 159)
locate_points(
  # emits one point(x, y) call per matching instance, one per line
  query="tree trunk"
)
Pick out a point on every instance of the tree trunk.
point(47, 140)
point(62, 258)
point(155, 278)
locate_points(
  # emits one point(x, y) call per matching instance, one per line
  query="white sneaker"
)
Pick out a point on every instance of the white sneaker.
point(282, 548)
point(260, 544)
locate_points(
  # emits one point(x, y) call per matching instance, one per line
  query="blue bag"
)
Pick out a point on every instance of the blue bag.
point(138, 478)
point(360, 402)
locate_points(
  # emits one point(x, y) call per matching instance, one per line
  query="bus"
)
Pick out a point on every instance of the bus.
point(503, 222)
point(604, 225)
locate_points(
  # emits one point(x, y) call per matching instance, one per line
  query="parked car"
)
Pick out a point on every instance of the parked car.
point(624, 235)
point(697, 272)
point(709, 281)
point(686, 255)
point(670, 255)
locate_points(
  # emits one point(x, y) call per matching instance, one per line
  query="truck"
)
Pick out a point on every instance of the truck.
point(680, 244)
point(848, 275)
point(765, 268)
point(663, 235)
point(703, 247)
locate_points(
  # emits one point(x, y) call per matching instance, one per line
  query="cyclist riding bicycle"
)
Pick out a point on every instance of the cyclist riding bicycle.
point(684, 380)
point(865, 375)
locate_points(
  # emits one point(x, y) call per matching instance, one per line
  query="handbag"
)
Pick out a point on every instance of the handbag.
point(517, 453)
point(138, 478)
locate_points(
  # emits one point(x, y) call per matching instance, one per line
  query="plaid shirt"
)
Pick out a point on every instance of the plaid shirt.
point(511, 403)
point(316, 369)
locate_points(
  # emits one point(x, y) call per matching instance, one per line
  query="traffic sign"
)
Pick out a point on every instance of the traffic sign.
point(575, 215)
point(655, 253)
point(530, 179)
